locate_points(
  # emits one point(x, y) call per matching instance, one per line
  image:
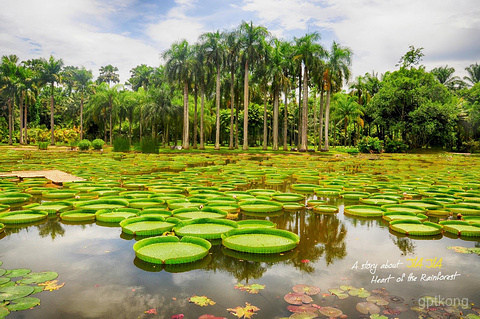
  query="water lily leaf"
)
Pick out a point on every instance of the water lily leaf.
point(302, 308)
point(377, 316)
point(15, 292)
point(251, 289)
point(38, 277)
point(330, 312)
point(2, 271)
point(303, 315)
point(201, 301)
point(51, 285)
point(359, 292)
point(379, 300)
point(295, 298)
point(338, 292)
point(246, 312)
point(346, 287)
point(4, 280)
point(23, 303)
point(3, 311)
point(367, 307)
point(37, 289)
point(210, 317)
point(18, 272)
point(306, 289)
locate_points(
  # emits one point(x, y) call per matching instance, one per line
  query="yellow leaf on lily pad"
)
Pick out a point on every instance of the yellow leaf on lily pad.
point(51, 285)
point(246, 312)
point(251, 289)
point(201, 301)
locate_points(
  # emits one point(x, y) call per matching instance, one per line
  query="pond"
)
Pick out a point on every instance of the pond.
point(355, 261)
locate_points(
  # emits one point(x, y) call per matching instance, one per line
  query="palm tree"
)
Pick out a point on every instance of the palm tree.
point(199, 70)
point(473, 73)
point(82, 82)
point(108, 74)
point(347, 110)
point(214, 48)
point(251, 38)
point(178, 69)
point(337, 71)
point(444, 75)
point(107, 97)
point(232, 47)
point(141, 77)
point(309, 51)
point(8, 87)
point(50, 73)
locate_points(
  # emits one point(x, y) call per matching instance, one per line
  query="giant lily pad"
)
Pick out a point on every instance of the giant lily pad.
point(23, 303)
point(367, 308)
point(195, 213)
point(260, 240)
point(207, 228)
point(260, 206)
point(15, 292)
point(22, 216)
point(78, 215)
point(364, 211)
point(461, 228)
point(415, 227)
point(171, 250)
point(115, 215)
point(295, 298)
point(147, 225)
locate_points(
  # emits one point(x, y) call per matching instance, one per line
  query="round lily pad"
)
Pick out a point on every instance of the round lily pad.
point(23, 303)
point(15, 292)
point(260, 240)
point(255, 223)
point(116, 215)
point(295, 298)
point(330, 312)
point(404, 208)
point(17, 272)
point(22, 216)
point(99, 204)
point(38, 277)
point(303, 315)
point(415, 227)
point(364, 211)
point(195, 213)
point(78, 215)
point(301, 308)
point(146, 225)
point(171, 250)
point(260, 206)
point(288, 197)
point(388, 216)
point(306, 289)
point(461, 228)
point(367, 308)
point(325, 209)
point(207, 228)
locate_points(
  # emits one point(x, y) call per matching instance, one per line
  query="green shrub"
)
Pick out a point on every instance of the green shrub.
point(149, 145)
point(121, 144)
point(370, 144)
point(395, 146)
point(97, 144)
point(84, 145)
point(43, 145)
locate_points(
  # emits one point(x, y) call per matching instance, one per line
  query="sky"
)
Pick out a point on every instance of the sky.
point(127, 33)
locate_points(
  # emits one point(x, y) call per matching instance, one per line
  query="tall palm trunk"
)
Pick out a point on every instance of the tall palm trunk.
point(22, 97)
point(245, 108)
point(237, 111)
point(285, 123)
point(110, 107)
point(195, 118)
point(299, 138)
point(52, 124)
point(202, 108)
point(10, 122)
point(327, 117)
point(81, 117)
point(265, 126)
point(141, 120)
point(232, 102)
point(320, 133)
point(185, 142)
point(26, 122)
point(275, 119)
point(217, 100)
point(304, 140)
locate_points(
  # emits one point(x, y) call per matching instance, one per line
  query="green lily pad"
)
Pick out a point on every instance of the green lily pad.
point(146, 225)
point(18, 272)
point(15, 292)
point(415, 227)
point(23, 303)
point(306, 289)
point(38, 277)
point(3, 311)
point(207, 228)
point(364, 211)
point(330, 312)
point(367, 308)
point(22, 216)
point(260, 240)
point(338, 292)
point(4, 280)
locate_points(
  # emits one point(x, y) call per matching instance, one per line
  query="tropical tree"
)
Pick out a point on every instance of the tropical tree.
point(8, 87)
point(251, 39)
point(232, 50)
point(347, 109)
point(108, 74)
point(309, 52)
point(337, 71)
point(50, 73)
point(106, 97)
point(473, 71)
point(178, 69)
point(29, 92)
point(141, 77)
point(83, 82)
point(214, 48)
point(444, 75)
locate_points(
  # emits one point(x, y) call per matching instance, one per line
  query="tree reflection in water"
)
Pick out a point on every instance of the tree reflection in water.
point(51, 228)
point(405, 244)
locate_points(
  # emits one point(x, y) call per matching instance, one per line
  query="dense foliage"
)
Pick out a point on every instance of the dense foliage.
point(242, 85)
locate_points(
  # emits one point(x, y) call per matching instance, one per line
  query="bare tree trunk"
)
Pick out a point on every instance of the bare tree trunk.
point(110, 107)
point(245, 108)
point(285, 123)
point(141, 120)
point(26, 123)
point(81, 117)
point(265, 126)
point(217, 100)
point(185, 142)
point(327, 118)
point(237, 111)
point(21, 116)
point(10, 122)
point(232, 102)
point(52, 124)
point(275, 120)
point(315, 118)
point(320, 133)
point(202, 108)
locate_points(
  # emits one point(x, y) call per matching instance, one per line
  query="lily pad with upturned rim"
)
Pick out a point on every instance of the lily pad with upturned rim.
point(364, 211)
point(461, 228)
point(260, 240)
point(195, 213)
point(260, 206)
point(325, 209)
point(147, 225)
point(415, 227)
point(171, 250)
point(116, 215)
point(207, 228)
point(22, 216)
point(78, 215)
point(255, 223)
